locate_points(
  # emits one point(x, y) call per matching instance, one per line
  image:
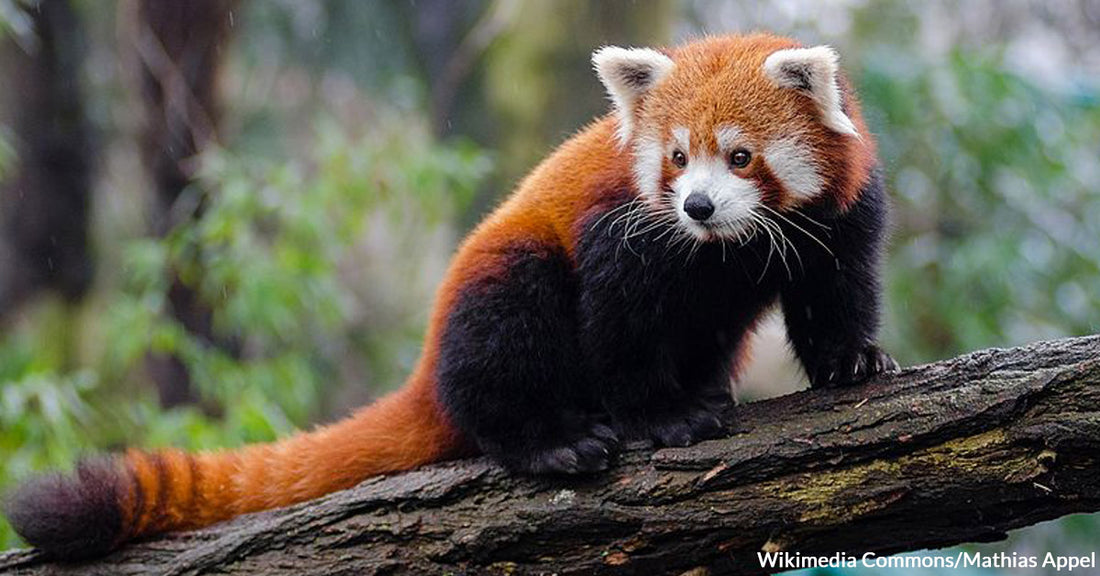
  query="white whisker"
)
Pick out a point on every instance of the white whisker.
point(811, 220)
point(801, 229)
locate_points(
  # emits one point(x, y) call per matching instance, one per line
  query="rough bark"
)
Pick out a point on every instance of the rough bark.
point(957, 451)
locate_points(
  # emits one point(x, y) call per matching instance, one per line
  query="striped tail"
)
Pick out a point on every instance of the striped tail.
point(109, 501)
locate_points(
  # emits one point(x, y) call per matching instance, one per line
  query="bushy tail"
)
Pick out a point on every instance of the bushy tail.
point(108, 501)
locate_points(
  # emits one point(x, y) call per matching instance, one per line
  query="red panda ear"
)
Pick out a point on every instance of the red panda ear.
point(628, 74)
point(813, 71)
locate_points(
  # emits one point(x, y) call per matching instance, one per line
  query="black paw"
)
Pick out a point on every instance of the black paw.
point(852, 367)
point(695, 424)
point(586, 455)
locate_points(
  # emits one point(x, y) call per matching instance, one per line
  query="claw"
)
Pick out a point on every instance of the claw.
point(606, 435)
point(585, 455)
point(854, 366)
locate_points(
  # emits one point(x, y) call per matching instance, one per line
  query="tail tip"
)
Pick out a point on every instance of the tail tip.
point(70, 516)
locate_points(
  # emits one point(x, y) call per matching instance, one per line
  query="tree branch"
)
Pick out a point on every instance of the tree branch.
point(957, 451)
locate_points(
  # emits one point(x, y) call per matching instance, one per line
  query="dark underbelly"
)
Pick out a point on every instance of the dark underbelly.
point(697, 299)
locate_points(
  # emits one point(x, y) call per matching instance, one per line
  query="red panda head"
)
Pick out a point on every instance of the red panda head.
point(726, 127)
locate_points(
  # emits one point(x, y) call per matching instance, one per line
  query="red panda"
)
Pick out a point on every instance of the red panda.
point(608, 298)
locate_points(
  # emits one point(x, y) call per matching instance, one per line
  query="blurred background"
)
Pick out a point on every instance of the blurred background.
point(223, 220)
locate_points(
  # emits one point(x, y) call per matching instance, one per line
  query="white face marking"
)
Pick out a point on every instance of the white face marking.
point(734, 198)
point(649, 154)
point(792, 162)
point(682, 137)
point(727, 137)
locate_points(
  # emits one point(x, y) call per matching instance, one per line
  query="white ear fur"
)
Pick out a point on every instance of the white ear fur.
point(814, 71)
point(628, 73)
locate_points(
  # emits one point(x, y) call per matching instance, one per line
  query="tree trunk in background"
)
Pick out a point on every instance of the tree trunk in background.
point(179, 49)
point(44, 205)
point(516, 75)
point(448, 47)
point(538, 80)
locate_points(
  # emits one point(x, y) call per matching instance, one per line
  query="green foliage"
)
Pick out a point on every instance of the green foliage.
point(993, 172)
point(276, 256)
point(44, 408)
point(267, 256)
point(994, 181)
point(42, 413)
point(318, 250)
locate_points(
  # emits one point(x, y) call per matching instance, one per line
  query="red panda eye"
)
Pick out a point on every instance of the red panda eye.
point(679, 159)
point(740, 158)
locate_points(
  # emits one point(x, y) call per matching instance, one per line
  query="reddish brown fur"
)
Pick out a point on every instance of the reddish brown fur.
point(721, 81)
point(172, 490)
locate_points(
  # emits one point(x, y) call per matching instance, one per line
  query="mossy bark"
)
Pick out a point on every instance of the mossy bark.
point(957, 451)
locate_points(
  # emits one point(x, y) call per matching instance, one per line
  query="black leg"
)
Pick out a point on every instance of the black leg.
point(832, 311)
point(510, 371)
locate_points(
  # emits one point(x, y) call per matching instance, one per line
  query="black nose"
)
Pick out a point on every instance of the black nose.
point(698, 206)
